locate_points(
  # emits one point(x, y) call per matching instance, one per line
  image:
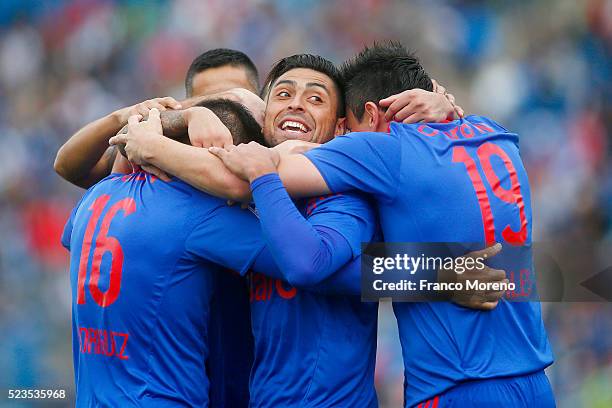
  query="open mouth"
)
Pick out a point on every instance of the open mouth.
point(293, 126)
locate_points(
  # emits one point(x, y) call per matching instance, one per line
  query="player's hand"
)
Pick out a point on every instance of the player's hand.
point(438, 88)
point(133, 143)
point(417, 105)
point(294, 146)
point(481, 300)
point(248, 161)
point(143, 108)
point(205, 129)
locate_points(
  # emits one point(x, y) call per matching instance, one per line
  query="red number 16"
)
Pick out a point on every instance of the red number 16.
point(103, 244)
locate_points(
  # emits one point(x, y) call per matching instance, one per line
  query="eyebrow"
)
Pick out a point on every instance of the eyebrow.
point(311, 84)
point(285, 82)
point(308, 85)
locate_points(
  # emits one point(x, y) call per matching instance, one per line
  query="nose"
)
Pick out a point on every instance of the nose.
point(296, 104)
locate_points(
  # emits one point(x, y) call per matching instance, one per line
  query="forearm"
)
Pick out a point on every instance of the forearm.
point(197, 167)
point(305, 254)
point(85, 158)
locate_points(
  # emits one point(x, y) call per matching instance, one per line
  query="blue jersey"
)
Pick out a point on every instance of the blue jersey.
point(141, 253)
point(456, 182)
point(312, 349)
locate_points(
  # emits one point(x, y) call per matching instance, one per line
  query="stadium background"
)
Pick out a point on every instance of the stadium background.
point(542, 68)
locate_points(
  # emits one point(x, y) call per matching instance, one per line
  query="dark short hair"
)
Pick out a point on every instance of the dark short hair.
point(379, 71)
point(308, 61)
point(220, 57)
point(237, 118)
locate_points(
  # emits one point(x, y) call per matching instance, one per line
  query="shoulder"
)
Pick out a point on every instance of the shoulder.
point(368, 138)
point(357, 146)
point(496, 126)
point(360, 139)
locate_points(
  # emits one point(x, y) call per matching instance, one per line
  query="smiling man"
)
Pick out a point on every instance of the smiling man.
point(290, 88)
point(311, 349)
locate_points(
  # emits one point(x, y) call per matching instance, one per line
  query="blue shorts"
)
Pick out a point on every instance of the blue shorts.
point(531, 390)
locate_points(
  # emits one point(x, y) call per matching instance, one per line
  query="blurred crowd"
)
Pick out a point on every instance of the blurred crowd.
point(541, 68)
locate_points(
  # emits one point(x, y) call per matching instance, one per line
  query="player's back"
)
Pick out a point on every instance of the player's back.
point(140, 298)
point(464, 182)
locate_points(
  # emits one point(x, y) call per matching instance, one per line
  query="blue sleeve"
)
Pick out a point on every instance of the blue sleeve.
point(67, 233)
point(365, 161)
point(346, 281)
point(227, 236)
point(309, 251)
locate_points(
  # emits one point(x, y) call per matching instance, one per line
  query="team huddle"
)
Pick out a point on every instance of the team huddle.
point(181, 299)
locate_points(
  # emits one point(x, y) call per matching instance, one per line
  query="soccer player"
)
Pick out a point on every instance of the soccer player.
point(86, 158)
point(420, 176)
point(140, 300)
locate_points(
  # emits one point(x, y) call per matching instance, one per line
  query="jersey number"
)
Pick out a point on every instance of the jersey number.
point(511, 196)
point(103, 244)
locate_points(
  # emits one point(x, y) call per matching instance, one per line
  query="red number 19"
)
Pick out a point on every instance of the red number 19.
point(511, 196)
point(103, 244)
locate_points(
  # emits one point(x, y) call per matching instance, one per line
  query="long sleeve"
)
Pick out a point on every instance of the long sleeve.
point(308, 251)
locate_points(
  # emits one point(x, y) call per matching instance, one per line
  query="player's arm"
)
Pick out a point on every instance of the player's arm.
point(367, 162)
point(194, 165)
point(252, 102)
point(86, 157)
point(307, 251)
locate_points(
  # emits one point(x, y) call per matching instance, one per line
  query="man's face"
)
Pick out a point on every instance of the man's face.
point(302, 104)
point(224, 78)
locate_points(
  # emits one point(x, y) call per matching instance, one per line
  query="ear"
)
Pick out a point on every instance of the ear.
point(372, 115)
point(340, 127)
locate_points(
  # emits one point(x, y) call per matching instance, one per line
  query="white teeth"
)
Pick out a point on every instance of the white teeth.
point(295, 125)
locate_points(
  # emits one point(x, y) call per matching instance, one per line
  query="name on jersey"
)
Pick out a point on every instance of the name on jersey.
point(103, 342)
point(466, 130)
point(263, 287)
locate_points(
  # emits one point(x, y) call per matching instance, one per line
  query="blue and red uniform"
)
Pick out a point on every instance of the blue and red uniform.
point(315, 341)
point(142, 254)
point(462, 181)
